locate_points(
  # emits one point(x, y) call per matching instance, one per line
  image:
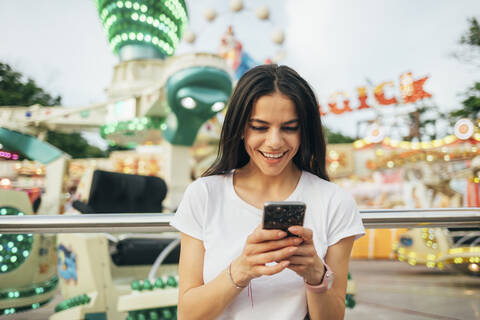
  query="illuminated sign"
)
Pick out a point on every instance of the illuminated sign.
point(8, 155)
point(384, 94)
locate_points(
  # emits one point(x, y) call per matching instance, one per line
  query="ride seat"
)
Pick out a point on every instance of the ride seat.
point(113, 192)
point(465, 240)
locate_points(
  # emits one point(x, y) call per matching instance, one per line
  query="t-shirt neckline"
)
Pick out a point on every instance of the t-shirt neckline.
point(252, 208)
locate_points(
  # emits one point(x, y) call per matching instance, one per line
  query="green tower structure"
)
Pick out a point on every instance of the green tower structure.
point(143, 29)
point(150, 30)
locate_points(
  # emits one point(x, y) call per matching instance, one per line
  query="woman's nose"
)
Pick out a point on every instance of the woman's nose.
point(274, 139)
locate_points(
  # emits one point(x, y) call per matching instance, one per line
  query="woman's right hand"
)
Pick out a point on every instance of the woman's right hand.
point(261, 248)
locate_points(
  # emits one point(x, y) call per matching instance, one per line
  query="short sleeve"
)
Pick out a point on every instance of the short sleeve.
point(190, 214)
point(344, 219)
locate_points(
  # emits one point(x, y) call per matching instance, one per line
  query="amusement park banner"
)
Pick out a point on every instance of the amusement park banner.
point(411, 90)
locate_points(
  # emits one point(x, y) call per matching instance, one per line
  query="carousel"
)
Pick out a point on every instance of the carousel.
point(442, 173)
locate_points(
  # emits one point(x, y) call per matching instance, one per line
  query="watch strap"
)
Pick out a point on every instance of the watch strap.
point(325, 284)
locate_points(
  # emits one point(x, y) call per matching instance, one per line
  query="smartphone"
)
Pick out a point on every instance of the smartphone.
point(283, 214)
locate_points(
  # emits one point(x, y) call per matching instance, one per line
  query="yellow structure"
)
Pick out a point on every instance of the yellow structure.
point(438, 247)
point(377, 244)
point(94, 287)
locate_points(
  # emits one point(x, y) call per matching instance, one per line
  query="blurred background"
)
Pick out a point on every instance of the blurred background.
point(129, 97)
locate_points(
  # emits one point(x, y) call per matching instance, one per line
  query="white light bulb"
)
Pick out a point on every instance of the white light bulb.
point(188, 103)
point(218, 106)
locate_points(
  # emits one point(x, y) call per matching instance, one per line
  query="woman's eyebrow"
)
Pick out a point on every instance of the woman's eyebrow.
point(291, 121)
point(266, 122)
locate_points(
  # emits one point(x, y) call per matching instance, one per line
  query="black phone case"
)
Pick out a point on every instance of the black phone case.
point(282, 215)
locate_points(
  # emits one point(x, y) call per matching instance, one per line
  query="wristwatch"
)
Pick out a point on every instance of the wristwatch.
point(325, 284)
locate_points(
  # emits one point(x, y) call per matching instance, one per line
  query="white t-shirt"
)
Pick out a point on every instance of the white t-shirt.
point(212, 212)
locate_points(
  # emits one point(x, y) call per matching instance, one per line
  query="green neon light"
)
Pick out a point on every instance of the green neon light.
point(14, 248)
point(36, 289)
point(350, 301)
point(72, 302)
point(160, 283)
point(164, 21)
point(165, 313)
point(131, 127)
point(32, 306)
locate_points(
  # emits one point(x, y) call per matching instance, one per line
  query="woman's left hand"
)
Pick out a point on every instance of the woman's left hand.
point(305, 262)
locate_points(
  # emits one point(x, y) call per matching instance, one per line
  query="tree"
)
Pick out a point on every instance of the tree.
point(336, 137)
point(15, 91)
point(469, 51)
point(472, 36)
point(471, 104)
point(76, 145)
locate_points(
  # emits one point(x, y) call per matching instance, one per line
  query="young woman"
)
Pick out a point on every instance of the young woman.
point(272, 148)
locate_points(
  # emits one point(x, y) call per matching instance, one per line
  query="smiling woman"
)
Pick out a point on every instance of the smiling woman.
point(272, 135)
point(271, 148)
point(270, 85)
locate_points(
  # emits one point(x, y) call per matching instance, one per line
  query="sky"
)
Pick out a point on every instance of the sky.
point(337, 45)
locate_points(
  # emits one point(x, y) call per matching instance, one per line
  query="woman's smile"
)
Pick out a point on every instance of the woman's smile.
point(273, 158)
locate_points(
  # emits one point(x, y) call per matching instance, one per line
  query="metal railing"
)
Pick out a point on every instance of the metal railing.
point(159, 222)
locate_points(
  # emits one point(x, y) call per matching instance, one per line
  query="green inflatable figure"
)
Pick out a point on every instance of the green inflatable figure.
point(194, 95)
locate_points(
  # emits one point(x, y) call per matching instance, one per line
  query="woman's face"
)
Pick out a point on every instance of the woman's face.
point(272, 134)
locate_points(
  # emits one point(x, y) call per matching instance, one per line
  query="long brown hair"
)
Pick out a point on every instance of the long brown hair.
point(261, 81)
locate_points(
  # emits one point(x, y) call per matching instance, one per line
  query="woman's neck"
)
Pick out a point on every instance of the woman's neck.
point(252, 178)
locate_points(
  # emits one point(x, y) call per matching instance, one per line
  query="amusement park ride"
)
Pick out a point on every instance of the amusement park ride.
point(155, 99)
point(441, 173)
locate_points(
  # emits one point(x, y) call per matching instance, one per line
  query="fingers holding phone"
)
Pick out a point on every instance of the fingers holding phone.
point(261, 249)
point(305, 233)
point(305, 261)
point(265, 246)
point(289, 217)
point(270, 242)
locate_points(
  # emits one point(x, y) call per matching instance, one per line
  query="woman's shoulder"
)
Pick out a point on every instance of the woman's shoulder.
point(321, 186)
point(316, 182)
point(209, 183)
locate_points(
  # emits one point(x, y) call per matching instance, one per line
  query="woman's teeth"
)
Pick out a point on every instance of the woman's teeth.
point(272, 155)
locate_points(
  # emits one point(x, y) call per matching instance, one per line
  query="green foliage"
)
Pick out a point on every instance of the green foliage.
point(14, 91)
point(336, 137)
point(472, 36)
point(117, 148)
point(469, 51)
point(74, 144)
point(471, 104)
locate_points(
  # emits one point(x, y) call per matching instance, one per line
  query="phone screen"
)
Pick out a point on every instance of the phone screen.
point(282, 215)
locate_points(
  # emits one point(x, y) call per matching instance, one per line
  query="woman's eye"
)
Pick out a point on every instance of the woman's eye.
point(290, 128)
point(259, 128)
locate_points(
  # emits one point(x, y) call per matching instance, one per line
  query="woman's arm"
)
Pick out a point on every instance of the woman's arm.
point(306, 263)
point(331, 303)
point(199, 300)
